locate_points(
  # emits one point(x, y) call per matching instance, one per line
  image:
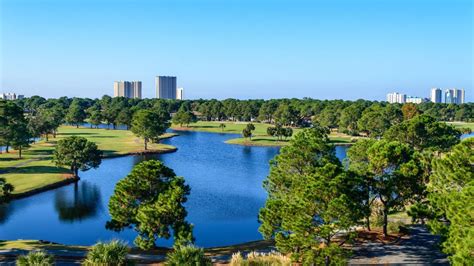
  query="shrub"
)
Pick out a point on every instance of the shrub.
point(260, 259)
point(39, 258)
point(112, 253)
point(395, 227)
point(187, 256)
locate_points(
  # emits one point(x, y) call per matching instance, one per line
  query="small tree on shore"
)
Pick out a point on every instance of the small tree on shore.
point(222, 126)
point(247, 132)
point(149, 125)
point(77, 153)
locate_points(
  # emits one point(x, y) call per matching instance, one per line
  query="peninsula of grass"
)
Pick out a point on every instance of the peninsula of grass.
point(230, 127)
point(462, 125)
point(35, 171)
point(269, 141)
point(260, 137)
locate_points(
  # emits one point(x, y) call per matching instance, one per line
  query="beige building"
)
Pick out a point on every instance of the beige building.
point(128, 89)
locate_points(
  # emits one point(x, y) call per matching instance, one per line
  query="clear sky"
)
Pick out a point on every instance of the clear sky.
point(328, 49)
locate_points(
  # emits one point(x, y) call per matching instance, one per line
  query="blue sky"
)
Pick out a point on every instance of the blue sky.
point(328, 49)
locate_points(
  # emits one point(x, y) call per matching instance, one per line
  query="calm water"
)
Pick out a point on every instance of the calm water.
point(226, 194)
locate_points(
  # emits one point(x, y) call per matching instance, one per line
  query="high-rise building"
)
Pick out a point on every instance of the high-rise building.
point(180, 94)
point(10, 96)
point(165, 87)
point(396, 97)
point(455, 96)
point(128, 89)
point(436, 95)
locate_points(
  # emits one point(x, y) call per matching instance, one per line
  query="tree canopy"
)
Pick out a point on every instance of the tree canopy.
point(151, 200)
point(307, 204)
point(149, 125)
point(451, 193)
point(77, 153)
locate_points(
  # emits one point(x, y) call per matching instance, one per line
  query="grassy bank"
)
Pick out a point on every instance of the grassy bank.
point(260, 137)
point(36, 170)
point(461, 125)
point(230, 127)
point(337, 139)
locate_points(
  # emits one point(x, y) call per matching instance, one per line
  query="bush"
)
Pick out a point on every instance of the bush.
point(395, 227)
point(112, 253)
point(187, 256)
point(263, 259)
point(39, 258)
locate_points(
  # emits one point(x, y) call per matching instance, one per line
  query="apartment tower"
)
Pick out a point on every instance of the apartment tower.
point(128, 89)
point(436, 95)
point(165, 87)
point(455, 96)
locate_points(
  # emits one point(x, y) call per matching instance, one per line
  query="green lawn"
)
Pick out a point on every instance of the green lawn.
point(260, 137)
point(35, 169)
point(231, 127)
point(460, 125)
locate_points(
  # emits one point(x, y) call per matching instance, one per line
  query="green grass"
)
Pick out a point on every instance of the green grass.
point(460, 125)
point(231, 127)
point(260, 137)
point(36, 170)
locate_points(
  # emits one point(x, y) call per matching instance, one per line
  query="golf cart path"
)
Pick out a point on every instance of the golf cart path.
point(421, 248)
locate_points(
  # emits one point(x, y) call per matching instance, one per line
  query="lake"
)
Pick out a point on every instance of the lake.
point(226, 195)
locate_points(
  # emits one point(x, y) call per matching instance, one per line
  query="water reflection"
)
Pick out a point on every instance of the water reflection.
point(82, 203)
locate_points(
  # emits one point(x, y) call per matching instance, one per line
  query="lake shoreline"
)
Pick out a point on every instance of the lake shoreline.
point(67, 177)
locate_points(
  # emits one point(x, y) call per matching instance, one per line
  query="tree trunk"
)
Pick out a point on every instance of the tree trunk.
point(77, 125)
point(19, 153)
point(146, 141)
point(47, 136)
point(326, 261)
point(385, 220)
point(76, 172)
point(367, 218)
point(6, 148)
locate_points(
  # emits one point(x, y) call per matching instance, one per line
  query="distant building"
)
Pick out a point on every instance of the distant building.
point(180, 94)
point(436, 95)
point(165, 87)
point(416, 100)
point(396, 97)
point(455, 96)
point(128, 89)
point(10, 96)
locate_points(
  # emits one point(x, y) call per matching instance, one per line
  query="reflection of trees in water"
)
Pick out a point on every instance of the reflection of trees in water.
point(145, 157)
point(84, 202)
point(5, 211)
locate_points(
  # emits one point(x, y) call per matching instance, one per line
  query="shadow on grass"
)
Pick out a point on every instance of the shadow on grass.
point(38, 170)
point(203, 127)
point(76, 133)
point(10, 159)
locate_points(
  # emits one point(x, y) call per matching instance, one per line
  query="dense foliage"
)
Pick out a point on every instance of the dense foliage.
point(451, 194)
point(149, 125)
point(5, 190)
point(35, 258)
point(77, 153)
point(308, 199)
point(187, 255)
point(151, 200)
point(107, 254)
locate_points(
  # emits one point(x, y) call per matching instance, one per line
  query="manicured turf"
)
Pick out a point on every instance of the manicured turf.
point(35, 169)
point(460, 125)
point(231, 127)
point(260, 137)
